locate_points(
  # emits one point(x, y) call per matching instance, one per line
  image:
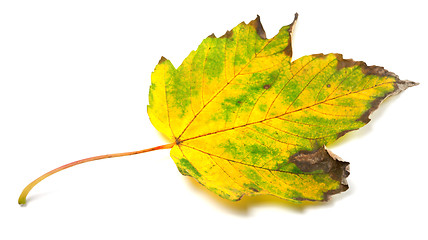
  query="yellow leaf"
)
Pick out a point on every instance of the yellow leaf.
point(246, 120)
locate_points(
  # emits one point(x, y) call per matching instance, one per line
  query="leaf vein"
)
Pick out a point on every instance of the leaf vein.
point(275, 117)
point(252, 109)
point(341, 82)
point(310, 81)
point(277, 140)
point(282, 89)
point(250, 165)
point(331, 114)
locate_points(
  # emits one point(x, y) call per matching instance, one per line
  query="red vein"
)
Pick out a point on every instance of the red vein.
point(325, 83)
point(331, 114)
point(246, 164)
point(364, 95)
point(262, 70)
point(307, 124)
point(341, 82)
point(237, 114)
point(276, 140)
point(337, 105)
point(276, 117)
point(252, 109)
point(310, 81)
point(218, 165)
point(282, 89)
point(289, 133)
point(254, 182)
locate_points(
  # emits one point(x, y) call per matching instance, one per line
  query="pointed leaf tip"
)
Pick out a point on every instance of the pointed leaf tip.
point(212, 35)
point(258, 26)
point(163, 59)
point(296, 16)
point(289, 49)
point(227, 34)
point(403, 85)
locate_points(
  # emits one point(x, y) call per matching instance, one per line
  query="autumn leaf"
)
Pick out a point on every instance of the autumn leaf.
point(243, 119)
point(246, 120)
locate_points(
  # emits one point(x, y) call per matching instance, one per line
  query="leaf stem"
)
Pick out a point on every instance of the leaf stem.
point(27, 189)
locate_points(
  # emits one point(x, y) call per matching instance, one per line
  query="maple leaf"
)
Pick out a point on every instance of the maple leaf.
point(245, 120)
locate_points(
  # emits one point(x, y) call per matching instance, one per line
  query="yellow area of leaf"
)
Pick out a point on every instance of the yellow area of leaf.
point(246, 120)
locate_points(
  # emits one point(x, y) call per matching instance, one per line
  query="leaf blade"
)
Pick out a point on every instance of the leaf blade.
point(248, 121)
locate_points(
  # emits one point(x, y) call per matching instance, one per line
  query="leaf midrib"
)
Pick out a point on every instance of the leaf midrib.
point(275, 117)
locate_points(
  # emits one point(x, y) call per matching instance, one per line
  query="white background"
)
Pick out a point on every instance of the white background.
point(75, 77)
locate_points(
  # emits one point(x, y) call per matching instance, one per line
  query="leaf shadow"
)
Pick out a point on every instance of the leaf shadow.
point(244, 206)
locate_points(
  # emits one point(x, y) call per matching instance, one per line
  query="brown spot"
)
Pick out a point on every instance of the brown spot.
point(326, 161)
point(258, 26)
point(328, 85)
point(254, 189)
point(178, 141)
point(267, 86)
point(228, 34)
